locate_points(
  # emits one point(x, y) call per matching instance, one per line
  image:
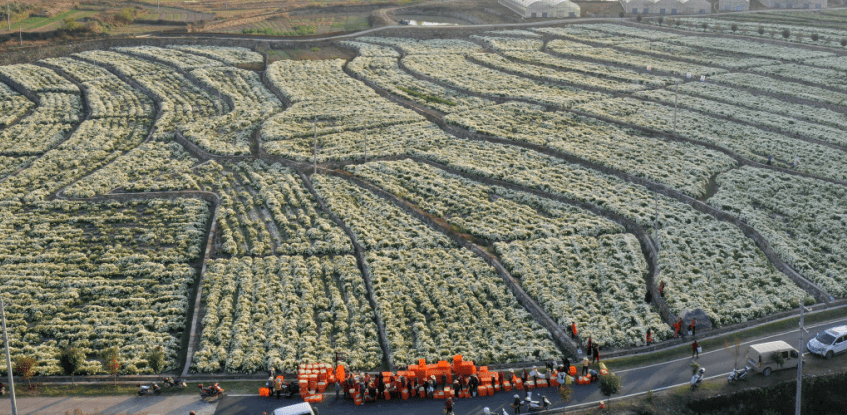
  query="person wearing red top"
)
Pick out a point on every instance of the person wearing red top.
point(649, 337)
point(694, 349)
point(693, 327)
point(448, 406)
point(573, 329)
point(676, 328)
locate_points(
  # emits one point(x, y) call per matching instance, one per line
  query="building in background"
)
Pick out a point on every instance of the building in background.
point(733, 5)
point(542, 8)
point(668, 7)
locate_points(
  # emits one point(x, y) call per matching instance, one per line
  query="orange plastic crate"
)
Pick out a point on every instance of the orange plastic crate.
point(405, 393)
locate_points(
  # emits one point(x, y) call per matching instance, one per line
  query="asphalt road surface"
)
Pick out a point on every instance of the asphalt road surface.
point(718, 363)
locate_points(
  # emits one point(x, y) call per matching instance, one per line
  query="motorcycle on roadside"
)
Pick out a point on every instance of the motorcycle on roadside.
point(210, 392)
point(738, 374)
point(149, 390)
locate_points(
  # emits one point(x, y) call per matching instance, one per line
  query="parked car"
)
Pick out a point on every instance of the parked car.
point(298, 409)
point(829, 343)
point(764, 357)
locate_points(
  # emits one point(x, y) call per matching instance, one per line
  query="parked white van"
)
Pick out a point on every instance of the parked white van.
point(829, 343)
point(764, 357)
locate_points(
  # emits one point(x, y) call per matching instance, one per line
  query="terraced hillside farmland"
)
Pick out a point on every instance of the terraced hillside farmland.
point(428, 197)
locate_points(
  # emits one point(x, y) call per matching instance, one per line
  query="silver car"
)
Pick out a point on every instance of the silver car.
point(829, 343)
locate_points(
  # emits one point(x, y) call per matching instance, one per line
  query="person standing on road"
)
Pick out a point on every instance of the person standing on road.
point(695, 349)
point(588, 346)
point(693, 326)
point(516, 405)
point(596, 353)
point(676, 328)
point(448, 406)
point(585, 364)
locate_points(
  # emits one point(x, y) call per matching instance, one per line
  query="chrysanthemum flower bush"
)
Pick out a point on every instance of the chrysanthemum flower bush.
point(771, 30)
point(27, 138)
point(10, 164)
point(802, 218)
point(784, 88)
point(746, 140)
point(230, 133)
point(106, 94)
point(458, 72)
point(299, 225)
point(598, 282)
point(151, 158)
point(827, 77)
point(631, 59)
point(530, 51)
point(94, 275)
point(766, 106)
point(539, 72)
point(93, 144)
point(438, 302)
point(177, 58)
point(784, 124)
point(680, 165)
point(125, 64)
point(377, 223)
point(715, 268)
point(411, 46)
point(281, 311)
point(38, 79)
point(12, 105)
point(385, 72)
point(489, 212)
point(226, 54)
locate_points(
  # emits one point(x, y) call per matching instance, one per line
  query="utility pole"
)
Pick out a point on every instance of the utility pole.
point(315, 154)
point(800, 362)
point(8, 359)
point(366, 145)
point(8, 15)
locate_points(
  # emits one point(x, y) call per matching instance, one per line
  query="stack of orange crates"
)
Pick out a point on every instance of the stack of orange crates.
point(463, 368)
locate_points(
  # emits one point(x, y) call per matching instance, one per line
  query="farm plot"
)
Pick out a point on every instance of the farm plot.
point(434, 299)
point(804, 220)
point(783, 88)
point(12, 105)
point(346, 128)
point(748, 141)
point(106, 94)
point(228, 55)
point(767, 119)
point(265, 209)
point(597, 281)
point(96, 275)
point(281, 311)
point(629, 59)
point(680, 165)
point(765, 105)
point(230, 134)
point(711, 256)
point(95, 143)
point(525, 222)
point(177, 58)
point(379, 64)
point(489, 212)
point(531, 51)
point(462, 74)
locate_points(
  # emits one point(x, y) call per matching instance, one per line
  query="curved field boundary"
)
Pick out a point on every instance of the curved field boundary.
point(359, 253)
point(813, 289)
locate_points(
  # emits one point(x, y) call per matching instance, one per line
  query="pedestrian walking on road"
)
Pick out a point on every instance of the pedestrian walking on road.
point(585, 364)
point(693, 327)
point(695, 349)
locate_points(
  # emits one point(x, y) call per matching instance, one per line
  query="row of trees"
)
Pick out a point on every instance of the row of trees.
point(73, 359)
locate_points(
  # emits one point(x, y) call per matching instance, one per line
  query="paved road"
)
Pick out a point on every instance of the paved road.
point(111, 405)
point(718, 363)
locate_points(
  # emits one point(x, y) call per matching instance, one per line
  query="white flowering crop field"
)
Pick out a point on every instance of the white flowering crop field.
point(425, 198)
